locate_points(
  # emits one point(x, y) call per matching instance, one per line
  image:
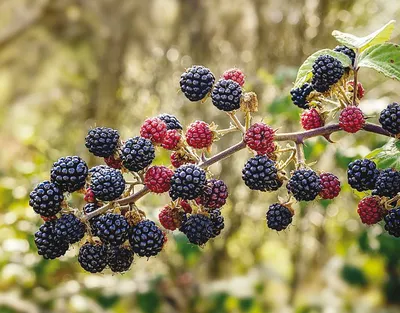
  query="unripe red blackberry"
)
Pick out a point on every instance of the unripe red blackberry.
point(170, 218)
point(330, 186)
point(89, 196)
point(153, 129)
point(69, 228)
point(360, 89)
point(171, 121)
point(137, 153)
point(69, 173)
point(351, 119)
point(326, 72)
point(390, 118)
point(370, 210)
point(214, 195)
point(107, 184)
point(234, 74)
point(178, 159)
point(102, 141)
point(300, 95)
point(196, 82)
point(187, 182)
point(226, 95)
point(304, 184)
point(119, 259)
point(199, 135)
point(93, 257)
point(111, 161)
point(186, 206)
point(46, 199)
point(260, 138)
point(278, 217)
point(48, 244)
point(310, 119)
point(172, 140)
point(392, 222)
point(388, 183)
point(362, 174)
point(146, 238)
point(158, 179)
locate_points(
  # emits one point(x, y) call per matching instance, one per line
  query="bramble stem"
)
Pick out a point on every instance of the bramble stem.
point(300, 158)
point(236, 121)
point(355, 80)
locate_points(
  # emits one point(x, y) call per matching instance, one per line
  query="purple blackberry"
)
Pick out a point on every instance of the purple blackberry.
point(304, 184)
point(326, 72)
point(214, 195)
point(102, 141)
point(112, 228)
point(390, 118)
point(48, 244)
point(146, 238)
point(347, 51)
point(278, 217)
point(171, 121)
point(260, 173)
point(392, 222)
point(196, 82)
point(46, 199)
point(107, 184)
point(198, 228)
point(299, 95)
point(69, 173)
point(93, 257)
point(217, 220)
point(119, 259)
point(362, 174)
point(137, 153)
point(388, 183)
point(226, 95)
point(69, 228)
point(187, 182)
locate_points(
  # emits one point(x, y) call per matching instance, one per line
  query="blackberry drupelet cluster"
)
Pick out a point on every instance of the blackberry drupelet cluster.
point(234, 74)
point(214, 195)
point(390, 118)
point(260, 138)
point(107, 184)
point(196, 82)
point(48, 244)
point(153, 129)
point(114, 162)
point(172, 140)
point(217, 221)
point(112, 228)
point(260, 173)
point(330, 186)
point(392, 222)
point(146, 238)
point(326, 72)
point(46, 199)
point(170, 217)
point(137, 153)
point(226, 95)
point(304, 184)
point(362, 174)
point(370, 210)
point(102, 141)
point(88, 208)
point(311, 119)
point(93, 257)
point(199, 135)
point(119, 259)
point(299, 95)
point(198, 228)
point(388, 183)
point(187, 182)
point(347, 51)
point(69, 228)
point(178, 159)
point(278, 217)
point(158, 179)
point(69, 173)
point(171, 121)
point(351, 119)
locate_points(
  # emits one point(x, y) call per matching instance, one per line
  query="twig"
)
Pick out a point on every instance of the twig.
point(236, 121)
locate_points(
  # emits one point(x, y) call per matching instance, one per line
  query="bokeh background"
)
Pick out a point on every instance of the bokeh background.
point(68, 65)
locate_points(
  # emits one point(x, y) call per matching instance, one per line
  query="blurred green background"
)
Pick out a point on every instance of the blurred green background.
point(68, 65)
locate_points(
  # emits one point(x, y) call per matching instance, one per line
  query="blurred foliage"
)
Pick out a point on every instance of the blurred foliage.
point(68, 65)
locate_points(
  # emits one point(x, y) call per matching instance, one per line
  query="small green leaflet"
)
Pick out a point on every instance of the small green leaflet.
point(387, 156)
point(304, 73)
point(381, 35)
point(384, 58)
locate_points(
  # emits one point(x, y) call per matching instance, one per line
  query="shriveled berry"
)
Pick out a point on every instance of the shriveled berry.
point(113, 162)
point(170, 217)
point(179, 158)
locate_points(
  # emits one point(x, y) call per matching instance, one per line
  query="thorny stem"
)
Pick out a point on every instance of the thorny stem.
point(300, 158)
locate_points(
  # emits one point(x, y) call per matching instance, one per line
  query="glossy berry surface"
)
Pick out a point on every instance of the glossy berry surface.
point(93, 257)
point(304, 184)
point(370, 210)
point(260, 173)
point(196, 82)
point(154, 129)
point(137, 153)
point(46, 199)
point(199, 135)
point(260, 138)
point(187, 182)
point(330, 186)
point(226, 95)
point(362, 174)
point(158, 179)
point(278, 217)
point(69, 173)
point(310, 119)
point(234, 74)
point(351, 119)
point(300, 95)
point(102, 141)
point(326, 72)
point(146, 238)
point(392, 222)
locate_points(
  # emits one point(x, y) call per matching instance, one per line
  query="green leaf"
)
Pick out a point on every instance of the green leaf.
point(387, 156)
point(384, 58)
point(379, 36)
point(304, 74)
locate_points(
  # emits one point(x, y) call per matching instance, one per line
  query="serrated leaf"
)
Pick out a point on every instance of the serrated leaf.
point(304, 73)
point(379, 36)
point(384, 58)
point(387, 156)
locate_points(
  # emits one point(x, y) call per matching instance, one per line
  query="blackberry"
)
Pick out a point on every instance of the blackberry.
point(93, 257)
point(347, 51)
point(304, 184)
point(299, 95)
point(146, 238)
point(187, 182)
point(98, 168)
point(392, 222)
point(88, 208)
point(217, 220)
point(137, 153)
point(370, 210)
point(278, 217)
point(112, 228)
point(330, 186)
point(119, 259)
point(46, 199)
point(107, 184)
point(390, 118)
point(171, 121)
point(326, 72)
point(198, 228)
point(362, 174)
point(69, 173)
point(226, 95)
point(102, 141)
point(260, 173)
point(214, 195)
point(48, 244)
point(388, 183)
point(196, 82)
point(69, 228)
point(158, 179)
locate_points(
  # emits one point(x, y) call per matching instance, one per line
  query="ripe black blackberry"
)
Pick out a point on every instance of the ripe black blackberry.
point(388, 183)
point(304, 184)
point(137, 153)
point(196, 82)
point(326, 72)
point(226, 95)
point(390, 118)
point(278, 216)
point(93, 257)
point(300, 95)
point(107, 184)
point(146, 238)
point(98, 168)
point(112, 228)
point(187, 182)
point(260, 173)
point(392, 222)
point(46, 199)
point(48, 244)
point(171, 121)
point(119, 259)
point(347, 51)
point(362, 174)
point(198, 228)
point(217, 220)
point(70, 228)
point(88, 208)
point(102, 141)
point(69, 173)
